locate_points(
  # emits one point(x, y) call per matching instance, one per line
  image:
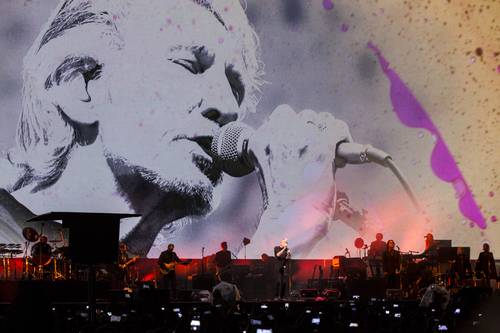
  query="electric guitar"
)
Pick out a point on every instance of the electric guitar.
point(223, 270)
point(128, 262)
point(167, 268)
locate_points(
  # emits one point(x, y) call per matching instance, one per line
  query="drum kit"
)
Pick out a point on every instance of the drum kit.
point(47, 259)
point(7, 253)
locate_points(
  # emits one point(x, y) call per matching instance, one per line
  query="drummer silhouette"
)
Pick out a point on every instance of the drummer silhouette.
point(41, 252)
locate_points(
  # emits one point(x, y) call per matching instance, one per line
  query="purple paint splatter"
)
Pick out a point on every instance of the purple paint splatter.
point(328, 4)
point(344, 27)
point(498, 69)
point(412, 114)
point(494, 218)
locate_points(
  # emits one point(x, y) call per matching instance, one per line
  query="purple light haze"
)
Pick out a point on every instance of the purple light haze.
point(412, 114)
point(328, 4)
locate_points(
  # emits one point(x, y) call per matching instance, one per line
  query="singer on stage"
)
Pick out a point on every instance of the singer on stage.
point(283, 254)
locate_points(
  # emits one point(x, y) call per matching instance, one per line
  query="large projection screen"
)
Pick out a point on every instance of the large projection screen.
point(110, 106)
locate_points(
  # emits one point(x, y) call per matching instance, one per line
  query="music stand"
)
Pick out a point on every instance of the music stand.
point(93, 239)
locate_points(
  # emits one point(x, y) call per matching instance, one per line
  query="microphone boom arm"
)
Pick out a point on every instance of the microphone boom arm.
point(355, 153)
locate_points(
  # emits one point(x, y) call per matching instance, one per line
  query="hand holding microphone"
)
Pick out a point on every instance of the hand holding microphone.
point(293, 153)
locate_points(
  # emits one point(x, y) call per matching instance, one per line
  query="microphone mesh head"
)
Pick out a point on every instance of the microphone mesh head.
point(225, 143)
point(227, 148)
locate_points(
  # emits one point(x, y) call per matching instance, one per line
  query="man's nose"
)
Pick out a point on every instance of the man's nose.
point(220, 106)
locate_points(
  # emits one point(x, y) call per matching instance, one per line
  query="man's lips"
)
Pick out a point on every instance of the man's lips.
point(204, 141)
point(206, 165)
point(210, 169)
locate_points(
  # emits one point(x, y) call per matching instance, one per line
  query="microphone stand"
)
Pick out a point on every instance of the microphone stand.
point(40, 266)
point(25, 261)
point(364, 250)
point(202, 261)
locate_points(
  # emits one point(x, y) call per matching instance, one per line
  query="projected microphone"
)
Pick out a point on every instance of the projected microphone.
point(232, 147)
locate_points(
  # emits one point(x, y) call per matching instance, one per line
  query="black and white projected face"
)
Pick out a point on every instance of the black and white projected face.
point(159, 81)
point(120, 104)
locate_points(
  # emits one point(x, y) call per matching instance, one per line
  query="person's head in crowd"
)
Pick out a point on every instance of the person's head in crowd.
point(226, 295)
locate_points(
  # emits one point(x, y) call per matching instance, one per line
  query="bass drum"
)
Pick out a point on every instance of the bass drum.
point(41, 254)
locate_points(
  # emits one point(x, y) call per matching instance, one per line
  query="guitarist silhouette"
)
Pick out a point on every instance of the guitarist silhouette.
point(125, 275)
point(223, 262)
point(167, 261)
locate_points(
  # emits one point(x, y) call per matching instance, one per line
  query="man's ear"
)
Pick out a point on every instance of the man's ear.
point(73, 98)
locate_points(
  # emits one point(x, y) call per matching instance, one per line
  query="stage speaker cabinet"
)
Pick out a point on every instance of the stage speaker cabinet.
point(309, 293)
point(393, 294)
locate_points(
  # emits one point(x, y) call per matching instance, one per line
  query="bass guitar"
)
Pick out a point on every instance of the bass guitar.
point(169, 267)
point(128, 262)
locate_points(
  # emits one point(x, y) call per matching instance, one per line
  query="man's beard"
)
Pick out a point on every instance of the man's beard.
point(146, 190)
point(210, 169)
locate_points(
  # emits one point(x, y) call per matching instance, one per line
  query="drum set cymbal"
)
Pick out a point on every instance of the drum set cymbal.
point(12, 249)
point(30, 234)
